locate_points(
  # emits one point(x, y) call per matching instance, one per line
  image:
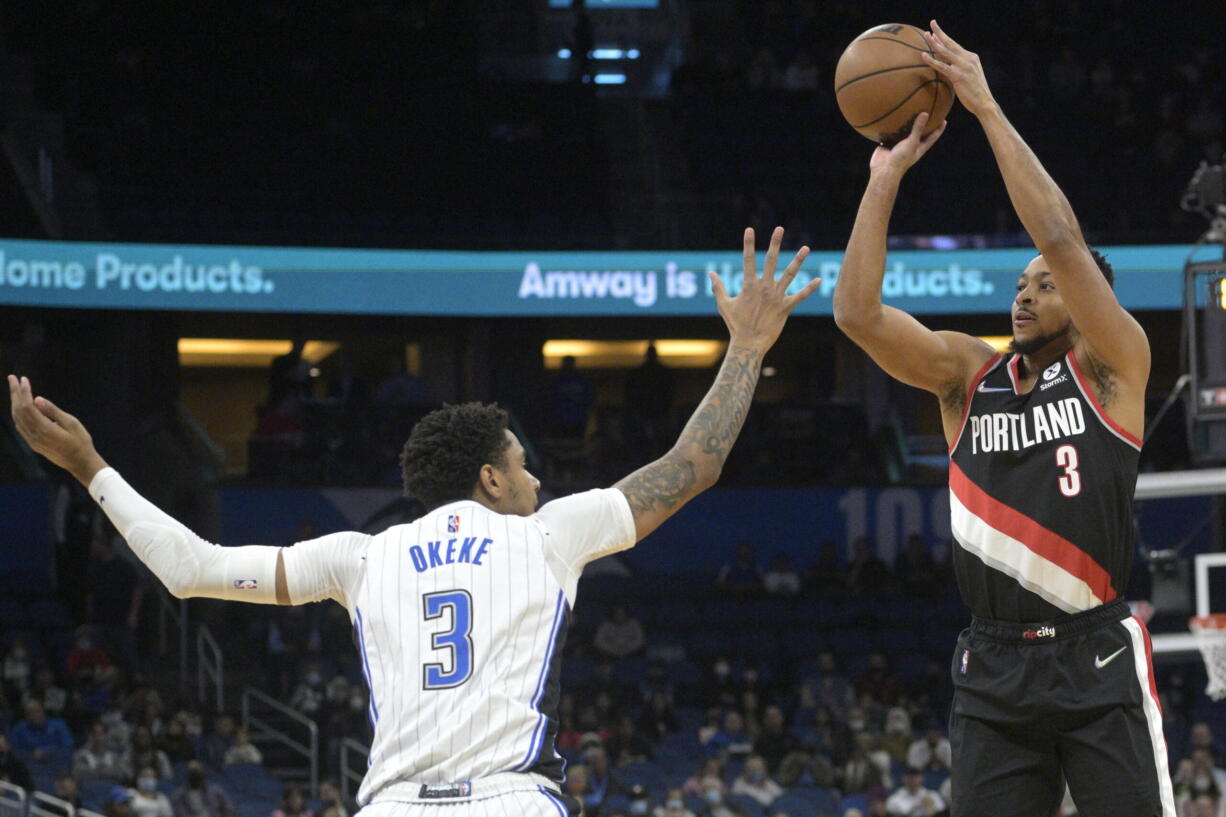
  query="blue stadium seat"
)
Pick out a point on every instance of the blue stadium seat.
point(775, 614)
point(848, 641)
point(746, 805)
point(631, 670)
point(684, 673)
point(706, 644)
point(757, 645)
point(934, 780)
point(802, 643)
point(910, 666)
point(940, 641)
point(897, 640)
point(676, 615)
point(820, 800)
point(577, 672)
point(859, 801)
point(646, 773)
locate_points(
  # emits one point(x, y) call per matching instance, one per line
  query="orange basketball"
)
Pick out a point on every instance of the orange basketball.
point(882, 84)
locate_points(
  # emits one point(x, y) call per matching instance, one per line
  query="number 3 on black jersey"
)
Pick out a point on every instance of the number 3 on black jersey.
point(458, 640)
point(1070, 481)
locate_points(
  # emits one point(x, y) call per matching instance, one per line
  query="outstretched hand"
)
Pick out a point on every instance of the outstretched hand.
point(52, 432)
point(961, 67)
point(756, 315)
point(909, 150)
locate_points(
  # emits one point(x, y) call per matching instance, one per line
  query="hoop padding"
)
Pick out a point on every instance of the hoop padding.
point(1210, 632)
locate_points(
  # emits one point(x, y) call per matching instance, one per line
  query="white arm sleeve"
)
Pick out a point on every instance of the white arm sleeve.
point(583, 527)
point(329, 567)
point(189, 566)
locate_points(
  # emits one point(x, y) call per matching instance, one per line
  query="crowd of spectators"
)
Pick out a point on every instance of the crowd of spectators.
point(1119, 104)
point(1120, 120)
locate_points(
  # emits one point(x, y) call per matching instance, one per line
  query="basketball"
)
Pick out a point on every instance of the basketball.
point(881, 84)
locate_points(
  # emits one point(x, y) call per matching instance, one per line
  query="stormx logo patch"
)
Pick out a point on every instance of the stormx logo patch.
point(1043, 632)
point(442, 791)
point(246, 584)
point(966, 660)
point(453, 524)
point(1052, 377)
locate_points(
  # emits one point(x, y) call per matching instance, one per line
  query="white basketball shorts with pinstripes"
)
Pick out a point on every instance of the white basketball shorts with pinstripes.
point(539, 803)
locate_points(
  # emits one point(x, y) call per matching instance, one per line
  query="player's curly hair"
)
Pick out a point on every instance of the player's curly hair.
point(442, 458)
point(1104, 266)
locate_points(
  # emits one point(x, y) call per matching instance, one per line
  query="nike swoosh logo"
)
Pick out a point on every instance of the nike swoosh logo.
point(1099, 663)
point(985, 389)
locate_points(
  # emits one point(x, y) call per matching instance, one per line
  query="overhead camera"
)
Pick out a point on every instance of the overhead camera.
point(1206, 194)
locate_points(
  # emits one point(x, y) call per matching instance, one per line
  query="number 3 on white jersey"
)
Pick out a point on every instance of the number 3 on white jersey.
point(1070, 482)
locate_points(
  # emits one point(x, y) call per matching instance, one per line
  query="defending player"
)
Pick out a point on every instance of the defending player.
point(459, 616)
point(1053, 679)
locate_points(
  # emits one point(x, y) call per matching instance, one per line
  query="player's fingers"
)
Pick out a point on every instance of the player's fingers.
point(772, 254)
point(14, 390)
point(793, 267)
point(942, 68)
point(717, 287)
point(945, 40)
point(747, 261)
point(54, 413)
point(792, 300)
point(926, 142)
point(921, 122)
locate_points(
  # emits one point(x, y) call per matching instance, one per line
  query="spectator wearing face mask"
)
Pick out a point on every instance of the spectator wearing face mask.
point(96, 760)
point(673, 806)
point(753, 781)
point(199, 798)
point(147, 801)
point(308, 696)
point(243, 750)
point(716, 807)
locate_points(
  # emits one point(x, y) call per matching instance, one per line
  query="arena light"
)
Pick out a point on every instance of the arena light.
point(564, 53)
point(610, 79)
point(245, 352)
point(627, 354)
point(998, 342)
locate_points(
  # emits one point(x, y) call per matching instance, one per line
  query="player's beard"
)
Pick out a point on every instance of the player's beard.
point(1029, 347)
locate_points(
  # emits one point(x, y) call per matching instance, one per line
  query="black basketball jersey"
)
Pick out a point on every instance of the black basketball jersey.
point(1040, 491)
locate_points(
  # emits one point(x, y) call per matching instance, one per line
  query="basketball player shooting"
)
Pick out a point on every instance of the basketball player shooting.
point(459, 616)
point(1053, 679)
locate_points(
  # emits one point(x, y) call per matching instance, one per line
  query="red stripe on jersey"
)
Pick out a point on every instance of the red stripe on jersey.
point(1092, 398)
point(1013, 375)
point(970, 395)
point(1050, 545)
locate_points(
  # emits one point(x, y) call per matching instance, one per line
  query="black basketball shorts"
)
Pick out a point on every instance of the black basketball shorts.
point(1071, 699)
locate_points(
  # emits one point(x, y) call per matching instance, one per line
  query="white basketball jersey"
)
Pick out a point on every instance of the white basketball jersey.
point(460, 618)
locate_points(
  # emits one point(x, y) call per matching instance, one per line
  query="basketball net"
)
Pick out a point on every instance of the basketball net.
point(1210, 632)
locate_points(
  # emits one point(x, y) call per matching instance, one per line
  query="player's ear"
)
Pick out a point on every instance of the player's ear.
point(490, 481)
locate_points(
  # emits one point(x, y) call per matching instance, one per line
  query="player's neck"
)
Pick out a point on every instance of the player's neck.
point(1032, 364)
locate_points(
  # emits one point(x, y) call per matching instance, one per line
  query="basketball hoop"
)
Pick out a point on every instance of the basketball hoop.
point(1210, 632)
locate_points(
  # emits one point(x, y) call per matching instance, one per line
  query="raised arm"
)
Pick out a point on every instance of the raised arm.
point(1112, 336)
point(939, 362)
point(186, 564)
point(755, 317)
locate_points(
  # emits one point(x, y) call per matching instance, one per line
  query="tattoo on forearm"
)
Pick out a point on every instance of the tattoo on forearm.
point(704, 443)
